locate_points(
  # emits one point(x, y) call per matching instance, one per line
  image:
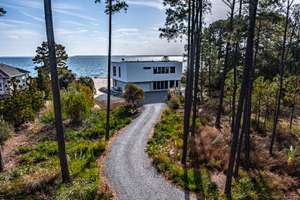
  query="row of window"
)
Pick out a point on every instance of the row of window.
point(164, 70)
point(115, 71)
point(156, 70)
point(164, 85)
point(6, 87)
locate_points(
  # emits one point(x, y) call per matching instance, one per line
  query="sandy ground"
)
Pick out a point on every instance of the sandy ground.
point(99, 83)
point(101, 97)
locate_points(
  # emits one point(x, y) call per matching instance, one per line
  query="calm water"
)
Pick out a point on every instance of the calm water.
point(92, 66)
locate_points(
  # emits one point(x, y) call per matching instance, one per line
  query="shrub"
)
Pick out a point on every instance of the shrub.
point(24, 149)
point(133, 95)
point(88, 92)
point(21, 107)
point(173, 103)
point(5, 131)
point(48, 117)
point(84, 187)
point(65, 77)
point(87, 81)
point(75, 105)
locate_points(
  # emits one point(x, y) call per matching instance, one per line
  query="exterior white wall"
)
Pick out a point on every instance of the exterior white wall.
point(146, 86)
point(120, 85)
point(135, 72)
point(123, 68)
point(142, 74)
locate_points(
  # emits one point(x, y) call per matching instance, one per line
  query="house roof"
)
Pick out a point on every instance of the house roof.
point(147, 61)
point(7, 71)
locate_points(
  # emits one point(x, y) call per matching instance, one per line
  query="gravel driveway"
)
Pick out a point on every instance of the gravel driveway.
point(128, 168)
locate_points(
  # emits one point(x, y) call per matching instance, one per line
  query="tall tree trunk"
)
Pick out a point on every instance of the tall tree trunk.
point(292, 116)
point(198, 61)
point(225, 68)
point(109, 74)
point(1, 160)
point(246, 78)
point(248, 105)
point(187, 102)
point(282, 69)
point(259, 111)
point(56, 93)
point(209, 77)
point(235, 64)
point(265, 120)
point(238, 154)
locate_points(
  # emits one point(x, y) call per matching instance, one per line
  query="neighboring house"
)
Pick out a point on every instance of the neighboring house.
point(11, 75)
point(148, 75)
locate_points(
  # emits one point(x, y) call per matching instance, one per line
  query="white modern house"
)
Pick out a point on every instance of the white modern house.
point(11, 75)
point(148, 75)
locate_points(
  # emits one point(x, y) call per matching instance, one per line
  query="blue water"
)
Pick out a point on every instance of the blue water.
point(92, 66)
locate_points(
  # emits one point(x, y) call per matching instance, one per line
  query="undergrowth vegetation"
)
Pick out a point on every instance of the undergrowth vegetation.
point(206, 174)
point(37, 172)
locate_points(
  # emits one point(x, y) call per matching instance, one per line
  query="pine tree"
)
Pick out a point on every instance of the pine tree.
point(189, 85)
point(231, 5)
point(248, 65)
point(198, 43)
point(281, 76)
point(2, 12)
point(111, 8)
point(56, 93)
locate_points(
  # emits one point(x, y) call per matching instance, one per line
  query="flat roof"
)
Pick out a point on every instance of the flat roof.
point(146, 61)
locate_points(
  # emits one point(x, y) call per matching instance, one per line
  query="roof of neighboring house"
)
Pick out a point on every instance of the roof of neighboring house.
point(7, 71)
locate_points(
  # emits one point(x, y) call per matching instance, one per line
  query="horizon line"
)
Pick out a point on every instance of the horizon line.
point(137, 55)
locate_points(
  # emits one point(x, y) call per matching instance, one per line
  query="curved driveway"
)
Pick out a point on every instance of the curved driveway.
point(128, 168)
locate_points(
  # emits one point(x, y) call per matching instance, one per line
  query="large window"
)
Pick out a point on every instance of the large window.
point(160, 85)
point(164, 70)
point(114, 71)
point(172, 84)
point(172, 70)
point(120, 72)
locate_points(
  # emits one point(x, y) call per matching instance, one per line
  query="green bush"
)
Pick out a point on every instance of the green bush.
point(48, 117)
point(75, 105)
point(87, 81)
point(173, 103)
point(133, 95)
point(88, 92)
point(24, 149)
point(21, 107)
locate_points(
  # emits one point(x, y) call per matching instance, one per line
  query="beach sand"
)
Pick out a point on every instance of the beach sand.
point(99, 83)
point(101, 97)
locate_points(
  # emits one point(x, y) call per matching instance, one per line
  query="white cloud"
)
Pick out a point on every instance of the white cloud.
point(38, 19)
point(157, 4)
point(75, 14)
point(127, 30)
point(14, 22)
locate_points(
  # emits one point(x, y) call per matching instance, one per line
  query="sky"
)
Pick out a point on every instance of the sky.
point(82, 27)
